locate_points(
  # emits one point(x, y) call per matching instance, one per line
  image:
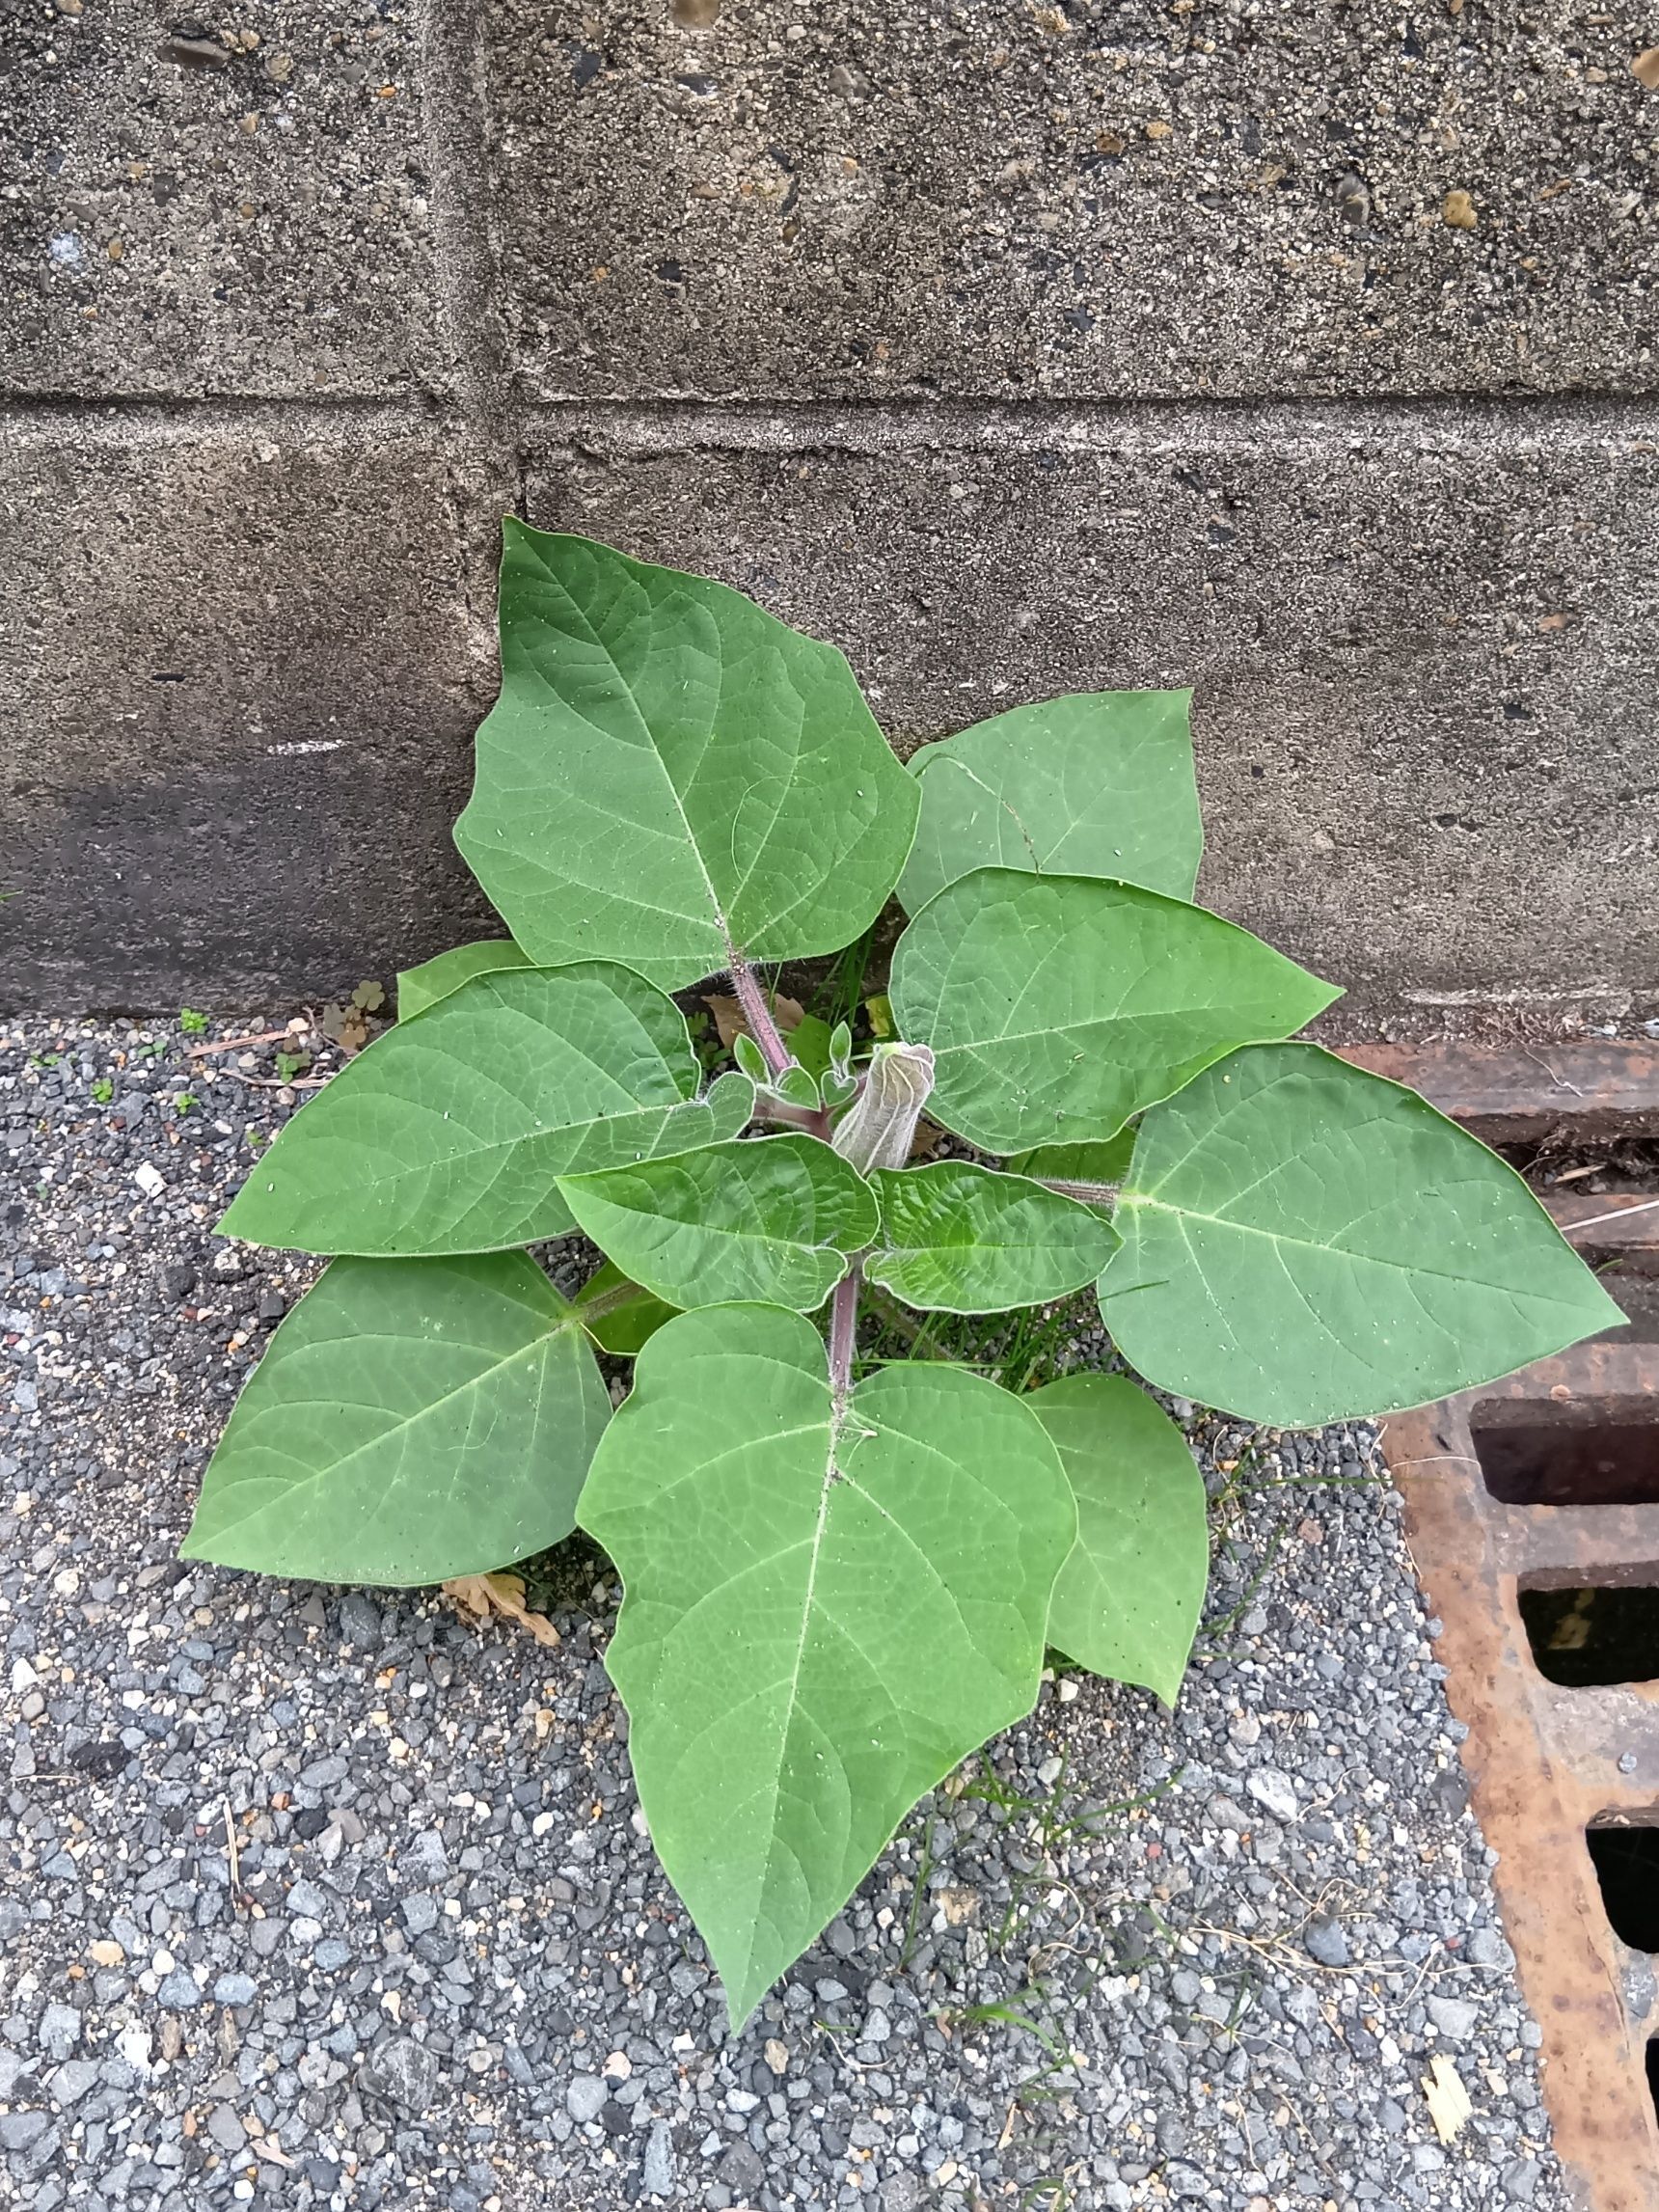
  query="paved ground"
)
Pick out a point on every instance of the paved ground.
point(1133, 1958)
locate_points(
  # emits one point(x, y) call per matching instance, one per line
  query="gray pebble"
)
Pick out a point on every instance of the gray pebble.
point(360, 1621)
point(585, 2098)
point(405, 2071)
point(1325, 1941)
point(1456, 2017)
point(1274, 1790)
point(656, 2175)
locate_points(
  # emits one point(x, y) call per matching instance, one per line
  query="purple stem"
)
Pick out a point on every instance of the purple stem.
point(843, 1335)
point(757, 1013)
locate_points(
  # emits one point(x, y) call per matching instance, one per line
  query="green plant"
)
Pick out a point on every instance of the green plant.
point(103, 1091)
point(185, 1102)
point(836, 1586)
point(192, 1023)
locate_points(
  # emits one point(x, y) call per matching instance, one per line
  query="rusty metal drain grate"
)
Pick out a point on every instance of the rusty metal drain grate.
point(1527, 1500)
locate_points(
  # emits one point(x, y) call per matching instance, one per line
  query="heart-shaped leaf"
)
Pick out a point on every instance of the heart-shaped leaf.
point(825, 1612)
point(419, 987)
point(961, 1238)
point(1129, 1596)
point(1097, 784)
point(670, 771)
point(1057, 1006)
point(1305, 1243)
point(412, 1420)
point(775, 1219)
point(448, 1134)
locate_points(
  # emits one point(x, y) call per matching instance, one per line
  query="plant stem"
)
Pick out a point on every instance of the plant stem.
point(799, 1117)
point(595, 1308)
point(757, 1013)
point(843, 1336)
point(1089, 1194)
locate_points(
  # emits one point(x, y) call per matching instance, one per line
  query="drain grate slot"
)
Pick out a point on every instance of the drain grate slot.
point(1566, 1461)
point(1590, 1635)
point(1626, 1863)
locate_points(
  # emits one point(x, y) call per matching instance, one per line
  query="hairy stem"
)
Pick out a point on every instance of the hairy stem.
point(757, 1013)
point(602, 1303)
point(1090, 1193)
point(799, 1117)
point(843, 1335)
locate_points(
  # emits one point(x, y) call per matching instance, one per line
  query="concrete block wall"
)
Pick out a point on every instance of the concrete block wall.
point(1305, 354)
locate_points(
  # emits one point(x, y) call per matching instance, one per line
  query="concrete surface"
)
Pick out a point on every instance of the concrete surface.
point(1087, 199)
point(249, 663)
point(256, 225)
point(1005, 345)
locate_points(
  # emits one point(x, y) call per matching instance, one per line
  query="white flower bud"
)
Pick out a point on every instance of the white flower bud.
point(878, 1129)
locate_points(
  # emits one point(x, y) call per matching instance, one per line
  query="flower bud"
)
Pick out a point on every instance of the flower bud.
point(878, 1126)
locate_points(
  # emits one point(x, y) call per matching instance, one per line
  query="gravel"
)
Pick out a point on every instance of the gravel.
point(1203, 1958)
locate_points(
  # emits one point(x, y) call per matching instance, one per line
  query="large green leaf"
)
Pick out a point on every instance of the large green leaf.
point(1127, 1599)
point(1056, 1006)
point(413, 1419)
point(670, 771)
point(419, 987)
point(961, 1238)
point(1306, 1243)
point(822, 1619)
point(775, 1219)
point(446, 1135)
point(1097, 784)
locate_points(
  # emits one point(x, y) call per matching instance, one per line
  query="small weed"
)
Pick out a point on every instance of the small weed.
point(103, 1091)
point(185, 1102)
point(45, 1059)
point(192, 1023)
point(291, 1064)
point(978, 2015)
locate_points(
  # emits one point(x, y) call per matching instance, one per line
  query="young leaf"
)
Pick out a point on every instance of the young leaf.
point(751, 1059)
point(960, 1239)
point(809, 1042)
point(621, 1328)
point(775, 1219)
point(447, 1134)
point(796, 1087)
point(1059, 1005)
point(1305, 1243)
point(1097, 784)
point(670, 771)
point(820, 1622)
point(413, 1420)
point(419, 987)
point(1127, 1599)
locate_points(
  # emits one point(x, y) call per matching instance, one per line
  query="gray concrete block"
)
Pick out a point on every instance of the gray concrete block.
point(705, 198)
point(240, 668)
point(255, 224)
point(1423, 647)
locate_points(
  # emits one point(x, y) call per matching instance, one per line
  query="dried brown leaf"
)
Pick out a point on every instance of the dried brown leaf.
point(480, 1598)
point(730, 1024)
